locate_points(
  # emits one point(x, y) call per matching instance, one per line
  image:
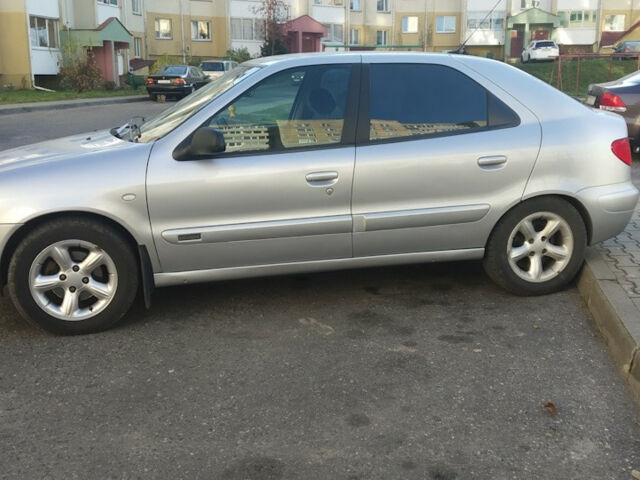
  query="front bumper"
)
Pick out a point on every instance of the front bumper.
point(610, 208)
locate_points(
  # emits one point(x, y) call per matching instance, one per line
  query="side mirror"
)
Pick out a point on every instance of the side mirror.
point(204, 143)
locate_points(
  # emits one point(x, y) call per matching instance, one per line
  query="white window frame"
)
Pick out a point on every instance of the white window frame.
point(605, 23)
point(385, 6)
point(158, 31)
point(136, 7)
point(354, 6)
point(354, 36)
point(384, 35)
point(47, 21)
point(406, 27)
point(489, 23)
point(113, 3)
point(137, 47)
point(445, 20)
point(195, 34)
point(257, 34)
point(331, 32)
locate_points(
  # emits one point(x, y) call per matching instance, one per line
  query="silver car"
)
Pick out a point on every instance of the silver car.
point(369, 159)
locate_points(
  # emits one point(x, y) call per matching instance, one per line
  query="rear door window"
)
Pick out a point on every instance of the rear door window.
point(409, 100)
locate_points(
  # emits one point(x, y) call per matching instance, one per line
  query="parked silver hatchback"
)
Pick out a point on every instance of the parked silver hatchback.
point(365, 160)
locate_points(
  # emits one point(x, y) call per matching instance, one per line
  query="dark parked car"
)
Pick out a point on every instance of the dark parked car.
point(176, 80)
point(628, 49)
point(621, 96)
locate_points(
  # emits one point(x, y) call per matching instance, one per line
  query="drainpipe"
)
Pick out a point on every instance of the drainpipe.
point(599, 25)
point(184, 54)
point(426, 26)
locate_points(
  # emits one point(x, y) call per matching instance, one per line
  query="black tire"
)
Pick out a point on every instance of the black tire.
point(108, 239)
point(497, 265)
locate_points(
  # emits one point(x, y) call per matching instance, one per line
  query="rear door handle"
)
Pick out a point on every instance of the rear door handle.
point(321, 177)
point(492, 161)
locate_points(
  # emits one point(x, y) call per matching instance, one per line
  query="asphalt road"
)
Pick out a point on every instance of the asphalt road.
point(419, 372)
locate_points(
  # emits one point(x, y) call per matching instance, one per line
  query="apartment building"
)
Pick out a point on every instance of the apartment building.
point(125, 34)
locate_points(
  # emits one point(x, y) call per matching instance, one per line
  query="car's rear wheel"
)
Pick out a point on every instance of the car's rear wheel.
point(537, 247)
point(73, 276)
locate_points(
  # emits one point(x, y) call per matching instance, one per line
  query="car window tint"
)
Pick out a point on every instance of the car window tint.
point(213, 66)
point(546, 44)
point(171, 70)
point(409, 100)
point(300, 107)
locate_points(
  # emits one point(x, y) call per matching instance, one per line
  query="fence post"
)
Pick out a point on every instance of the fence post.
point(559, 86)
point(553, 67)
point(578, 77)
point(610, 65)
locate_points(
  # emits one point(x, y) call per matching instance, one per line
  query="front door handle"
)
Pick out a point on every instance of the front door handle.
point(322, 178)
point(493, 161)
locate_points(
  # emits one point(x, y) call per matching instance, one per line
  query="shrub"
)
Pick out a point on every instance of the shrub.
point(109, 85)
point(238, 54)
point(80, 73)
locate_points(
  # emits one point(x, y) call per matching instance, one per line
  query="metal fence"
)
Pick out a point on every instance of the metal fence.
point(573, 72)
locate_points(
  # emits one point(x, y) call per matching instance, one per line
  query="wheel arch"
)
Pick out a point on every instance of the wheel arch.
point(586, 218)
point(140, 251)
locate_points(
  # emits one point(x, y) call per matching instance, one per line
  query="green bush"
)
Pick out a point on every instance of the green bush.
point(81, 73)
point(238, 54)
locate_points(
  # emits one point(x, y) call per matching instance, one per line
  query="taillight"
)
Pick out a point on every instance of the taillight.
point(612, 102)
point(178, 81)
point(149, 81)
point(622, 150)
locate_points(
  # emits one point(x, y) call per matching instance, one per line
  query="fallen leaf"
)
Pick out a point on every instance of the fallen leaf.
point(551, 407)
point(635, 474)
point(477, 350)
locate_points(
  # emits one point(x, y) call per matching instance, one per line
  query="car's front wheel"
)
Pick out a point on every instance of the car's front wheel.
point(73, 276)
point(537, 247)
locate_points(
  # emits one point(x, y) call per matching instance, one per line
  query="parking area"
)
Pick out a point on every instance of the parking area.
point(425, 371)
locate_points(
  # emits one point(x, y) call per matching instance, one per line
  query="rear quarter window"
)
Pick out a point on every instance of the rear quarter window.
point(416, 100)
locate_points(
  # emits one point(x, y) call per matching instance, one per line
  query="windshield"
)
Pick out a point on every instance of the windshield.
point(212, 66)
point(545, 44)
point(173, 70)
point(186, 108)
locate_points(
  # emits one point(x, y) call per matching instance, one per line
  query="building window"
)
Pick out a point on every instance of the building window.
point(355, 5)
point(409, 24)
point(335, 32)
point(43, 32)
point(247, 29)
point(383, 5)
point(381, 37)
point(163, 29)
point(354, 36)
point(200, 31)
point(493, 20)
point(446, 24)
point(613, 23)
point(137, 47)
point(135, 7)
point(109, 2)
point(579, 18)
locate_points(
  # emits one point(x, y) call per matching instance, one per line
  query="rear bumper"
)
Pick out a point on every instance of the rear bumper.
point(168, 89)
point(610, 208)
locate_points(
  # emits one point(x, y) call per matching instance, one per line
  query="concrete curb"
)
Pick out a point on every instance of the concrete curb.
point(64, 104)
point(615, 315)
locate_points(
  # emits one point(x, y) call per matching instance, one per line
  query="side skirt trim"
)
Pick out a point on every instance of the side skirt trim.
point(197, 276)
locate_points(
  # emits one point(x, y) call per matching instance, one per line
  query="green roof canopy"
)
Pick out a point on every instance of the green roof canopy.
point(109, 30)
point(533, 15)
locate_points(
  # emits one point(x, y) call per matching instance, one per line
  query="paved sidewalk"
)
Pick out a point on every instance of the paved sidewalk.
point(610, 285)
point(63, 104)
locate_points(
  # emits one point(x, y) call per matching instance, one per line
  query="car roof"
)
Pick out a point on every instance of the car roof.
point(295, 58)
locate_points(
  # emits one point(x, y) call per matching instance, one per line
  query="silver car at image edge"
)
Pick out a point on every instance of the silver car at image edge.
point(367, 159)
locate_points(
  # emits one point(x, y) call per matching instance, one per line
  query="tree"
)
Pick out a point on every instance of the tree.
point(274, 13)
